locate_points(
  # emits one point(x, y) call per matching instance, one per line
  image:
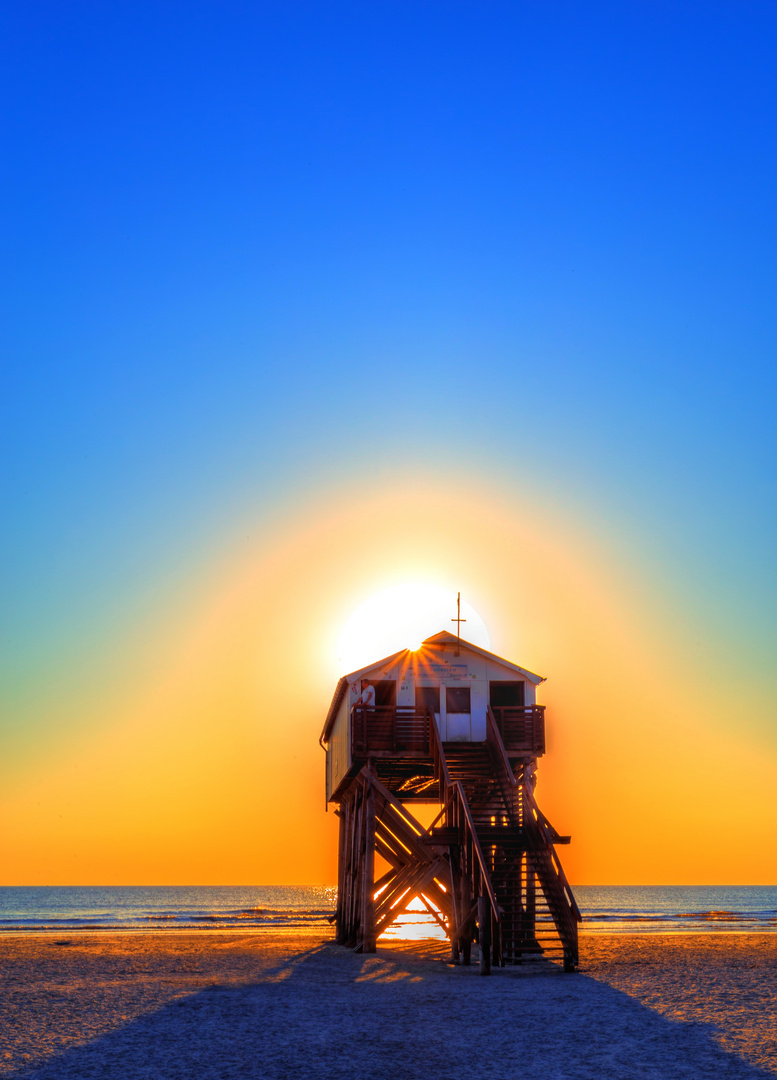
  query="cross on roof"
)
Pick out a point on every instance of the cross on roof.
point(458, 620)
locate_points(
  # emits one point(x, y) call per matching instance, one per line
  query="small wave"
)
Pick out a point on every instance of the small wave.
point(713, 916)
point(702, 916)
point(280, 917)
point(58, 928)
point(295, 913)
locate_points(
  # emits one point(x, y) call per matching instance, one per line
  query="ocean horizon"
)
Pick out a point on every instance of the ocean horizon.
point(613, 909)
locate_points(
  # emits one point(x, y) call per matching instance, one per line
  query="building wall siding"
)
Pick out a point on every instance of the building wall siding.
point(339, 751)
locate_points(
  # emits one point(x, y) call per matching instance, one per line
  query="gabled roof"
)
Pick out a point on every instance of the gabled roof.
point(446, 638)
point(443, 638)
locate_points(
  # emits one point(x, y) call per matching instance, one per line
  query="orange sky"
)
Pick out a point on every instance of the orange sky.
point(194, 758)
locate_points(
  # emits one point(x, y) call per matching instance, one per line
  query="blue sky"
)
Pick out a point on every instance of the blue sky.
point(253, 251)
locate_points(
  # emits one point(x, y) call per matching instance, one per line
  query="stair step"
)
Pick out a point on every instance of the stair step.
point(502, 835)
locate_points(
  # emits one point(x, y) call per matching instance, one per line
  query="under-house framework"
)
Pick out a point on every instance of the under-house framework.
point(455, 725)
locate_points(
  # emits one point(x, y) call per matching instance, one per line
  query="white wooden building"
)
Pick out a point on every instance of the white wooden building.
point(454, 679)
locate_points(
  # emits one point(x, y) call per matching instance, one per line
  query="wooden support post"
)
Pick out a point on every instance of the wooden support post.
point(346, 906)
point(484, 934)
point(466, 905)
point(345, 810)
point(340, 876)
point(496, 942)
point(368, 878)
point(571, 955)
point(355, 863)
point(457, 914)
point(358, 870)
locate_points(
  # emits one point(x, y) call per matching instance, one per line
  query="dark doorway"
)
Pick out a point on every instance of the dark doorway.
point(385, 692)
point(427, 697)
point(505, 693)
point(457, 699)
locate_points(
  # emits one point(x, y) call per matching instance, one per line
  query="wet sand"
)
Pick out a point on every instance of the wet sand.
point(222, 1005)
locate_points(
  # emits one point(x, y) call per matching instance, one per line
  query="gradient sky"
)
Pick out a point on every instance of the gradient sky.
point(300, 301)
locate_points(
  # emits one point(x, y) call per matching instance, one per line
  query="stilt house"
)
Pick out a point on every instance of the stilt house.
point(453, 724)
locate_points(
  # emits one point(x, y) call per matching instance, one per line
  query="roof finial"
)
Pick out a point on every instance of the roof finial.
point(458, 620)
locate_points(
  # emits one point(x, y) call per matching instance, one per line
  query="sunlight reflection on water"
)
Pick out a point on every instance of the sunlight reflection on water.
point(414, 925)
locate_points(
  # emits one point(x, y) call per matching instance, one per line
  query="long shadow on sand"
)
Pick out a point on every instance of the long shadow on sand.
point(329, 1014)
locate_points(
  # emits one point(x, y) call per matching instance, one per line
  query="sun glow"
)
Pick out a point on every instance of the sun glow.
point(400, 618)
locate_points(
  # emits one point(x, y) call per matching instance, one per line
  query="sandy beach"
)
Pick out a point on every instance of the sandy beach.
point(223, 1005)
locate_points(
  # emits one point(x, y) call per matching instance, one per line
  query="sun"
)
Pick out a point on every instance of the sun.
point(400, 618)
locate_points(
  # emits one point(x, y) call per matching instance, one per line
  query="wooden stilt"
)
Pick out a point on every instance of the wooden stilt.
point(496, 942)
point(352, 920)
point(458, 914)
point(358, 876)
point(368, 881)
point(340, 877)
point(345, 811)
point(466, 904)
point(484, 935)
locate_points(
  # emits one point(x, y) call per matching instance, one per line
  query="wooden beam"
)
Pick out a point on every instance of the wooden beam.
point(368, 876)
point(484, 934)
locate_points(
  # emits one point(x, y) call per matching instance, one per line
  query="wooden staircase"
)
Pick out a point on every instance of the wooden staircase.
point(470, 764)
point(538, 916)
point(486, 869)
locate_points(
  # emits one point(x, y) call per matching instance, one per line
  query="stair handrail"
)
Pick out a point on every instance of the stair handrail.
point(495, 740)
point(458, 791)
point(493, 737)
point(548, 833)
point(438, 757)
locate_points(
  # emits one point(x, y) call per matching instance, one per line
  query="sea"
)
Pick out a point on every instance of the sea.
point(291, 909)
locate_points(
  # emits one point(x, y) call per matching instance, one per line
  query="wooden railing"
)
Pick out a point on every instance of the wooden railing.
point(472, 892)
point(473, 896)
point(549, 836)
point(522, 727)
point(461, 813)
point(400, 729)
point(500, 760)
point(541, 840)
point(389, 728)
point(438, 759)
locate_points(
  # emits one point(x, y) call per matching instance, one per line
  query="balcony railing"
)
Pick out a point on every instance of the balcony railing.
point(399, 730)
point(522, 727)
point(389, 727)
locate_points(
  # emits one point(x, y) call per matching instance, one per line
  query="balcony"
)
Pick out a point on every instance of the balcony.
point(390, 730)
point(522, 728)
